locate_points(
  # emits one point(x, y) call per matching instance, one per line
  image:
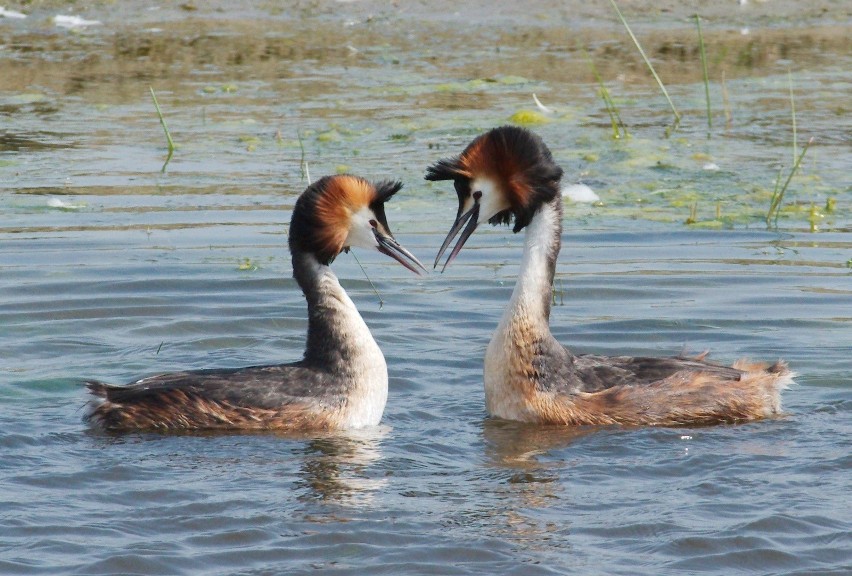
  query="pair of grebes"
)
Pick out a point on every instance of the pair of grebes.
point(505, 176)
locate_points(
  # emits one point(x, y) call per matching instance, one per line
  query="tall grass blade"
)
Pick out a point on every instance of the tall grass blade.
point(303, 164)
point(793, 113)
point(726, 104)
point(171, 144)
point(650, 67)
point(614, 117)
point(775, 205)
point(706, 78)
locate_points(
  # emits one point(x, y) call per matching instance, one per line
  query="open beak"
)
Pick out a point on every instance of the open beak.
point(471, 218)
point(390, 247)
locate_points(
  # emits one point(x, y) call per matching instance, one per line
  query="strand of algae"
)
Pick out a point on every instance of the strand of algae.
point(373, 286)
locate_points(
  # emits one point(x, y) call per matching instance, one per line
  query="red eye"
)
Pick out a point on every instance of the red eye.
point(477, 195)
point(373, 223)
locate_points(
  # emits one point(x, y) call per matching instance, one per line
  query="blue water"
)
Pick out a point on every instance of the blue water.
point(110, 269)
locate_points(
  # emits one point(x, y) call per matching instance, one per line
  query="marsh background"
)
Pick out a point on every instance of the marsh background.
point(113, 268)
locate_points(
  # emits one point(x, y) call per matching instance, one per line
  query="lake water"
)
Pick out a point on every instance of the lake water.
point(113, 269)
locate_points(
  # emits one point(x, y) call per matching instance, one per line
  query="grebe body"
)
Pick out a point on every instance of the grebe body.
point(342, 381)
point(508, 175)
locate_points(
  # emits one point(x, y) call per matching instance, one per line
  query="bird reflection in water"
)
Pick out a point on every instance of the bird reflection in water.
point(533, 483)
point(338, 467)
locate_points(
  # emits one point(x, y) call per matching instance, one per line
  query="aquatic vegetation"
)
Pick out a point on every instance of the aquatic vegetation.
point(169, 141)
point(248, 265)
point(251, 142)
point(793, 114)
point(778, 194)
point(704, 71)
point(331, 135)
point(651, 68)
point(528, 118)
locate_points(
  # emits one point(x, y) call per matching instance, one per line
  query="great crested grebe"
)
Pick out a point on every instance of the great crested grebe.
point(508, 174)
point(342, 381)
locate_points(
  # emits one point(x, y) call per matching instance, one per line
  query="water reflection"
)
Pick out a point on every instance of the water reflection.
point(516, 445)
point(336, 468)
point(533, 485)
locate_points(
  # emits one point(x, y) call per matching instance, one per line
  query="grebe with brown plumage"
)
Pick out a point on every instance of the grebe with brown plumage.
point(342, 381)
point(508, 176)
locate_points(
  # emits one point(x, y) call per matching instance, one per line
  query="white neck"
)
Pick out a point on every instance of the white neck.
point(525, 321)
point(533, 289)
point(340, 342)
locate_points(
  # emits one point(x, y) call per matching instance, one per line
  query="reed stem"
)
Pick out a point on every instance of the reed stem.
point(612, 110)
point(650, 67)
point(706, 77)
point(778, 195)
point(171, 144)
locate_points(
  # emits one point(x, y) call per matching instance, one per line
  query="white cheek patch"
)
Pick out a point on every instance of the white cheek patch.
point(360, 231)
point(492, 201)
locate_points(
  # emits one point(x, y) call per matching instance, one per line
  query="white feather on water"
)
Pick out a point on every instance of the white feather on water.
point(580, 193)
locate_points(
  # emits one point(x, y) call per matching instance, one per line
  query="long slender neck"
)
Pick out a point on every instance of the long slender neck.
point(337, 334)
point(533, 290)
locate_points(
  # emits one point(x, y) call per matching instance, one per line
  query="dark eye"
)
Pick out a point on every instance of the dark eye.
point(373, 223)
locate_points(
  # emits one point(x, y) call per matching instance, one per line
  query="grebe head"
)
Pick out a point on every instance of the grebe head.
point(338, 212)
point(503, 175)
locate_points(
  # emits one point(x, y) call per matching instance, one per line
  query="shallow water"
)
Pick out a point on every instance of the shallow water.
point(112, 269)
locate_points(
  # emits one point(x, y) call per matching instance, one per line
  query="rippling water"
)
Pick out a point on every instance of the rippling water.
point(112, 269)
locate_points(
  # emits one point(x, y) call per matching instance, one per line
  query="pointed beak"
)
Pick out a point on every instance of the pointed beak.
point(471, 218)
point(390, 247)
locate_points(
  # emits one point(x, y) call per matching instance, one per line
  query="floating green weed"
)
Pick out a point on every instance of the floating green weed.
point(247, 265)
point(528, 118)
point(830, 204)
point(329, 136)
point(169, 140)
point(251, 142)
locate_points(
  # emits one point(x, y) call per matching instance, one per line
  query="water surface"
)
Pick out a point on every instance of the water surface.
point(112, 269)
